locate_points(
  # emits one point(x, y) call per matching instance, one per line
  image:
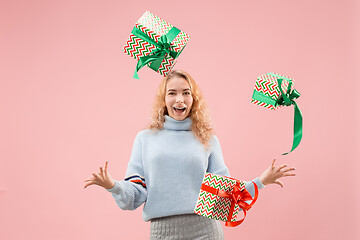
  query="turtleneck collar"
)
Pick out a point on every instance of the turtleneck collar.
point(172, 124)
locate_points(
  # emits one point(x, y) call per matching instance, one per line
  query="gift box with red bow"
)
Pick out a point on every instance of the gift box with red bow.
point(155, 43)
point(223, 198)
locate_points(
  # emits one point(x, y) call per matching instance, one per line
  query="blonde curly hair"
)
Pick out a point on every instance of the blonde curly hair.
point(201, 123)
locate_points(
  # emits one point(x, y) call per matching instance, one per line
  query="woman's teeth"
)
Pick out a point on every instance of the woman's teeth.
point(179, 110)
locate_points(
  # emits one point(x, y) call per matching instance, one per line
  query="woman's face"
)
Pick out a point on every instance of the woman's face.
point(178, 98)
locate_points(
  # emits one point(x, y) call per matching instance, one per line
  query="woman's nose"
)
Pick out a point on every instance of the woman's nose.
point(179, 98)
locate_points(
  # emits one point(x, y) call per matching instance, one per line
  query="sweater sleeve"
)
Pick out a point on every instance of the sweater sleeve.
point(131, 192)
point(251, 188)
point(216, 162)
point(217, 166)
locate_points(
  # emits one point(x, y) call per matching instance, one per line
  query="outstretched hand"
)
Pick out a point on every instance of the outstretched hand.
point(102, 179)
point(273, 174)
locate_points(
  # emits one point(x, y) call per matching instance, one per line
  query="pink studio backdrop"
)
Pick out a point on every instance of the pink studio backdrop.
point(68, 103)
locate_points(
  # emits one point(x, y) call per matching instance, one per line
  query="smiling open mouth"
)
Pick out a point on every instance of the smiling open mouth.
point(179, 110)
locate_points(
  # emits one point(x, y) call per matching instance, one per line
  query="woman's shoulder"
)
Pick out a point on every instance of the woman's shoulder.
point(214, 142)
point(145, 136)
point(214, 139)
point(146, 132)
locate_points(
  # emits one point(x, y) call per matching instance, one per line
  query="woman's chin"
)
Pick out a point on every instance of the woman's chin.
point(179, 117)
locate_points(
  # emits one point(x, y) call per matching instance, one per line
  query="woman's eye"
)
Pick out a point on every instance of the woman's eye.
point(171, 93)
point(186, 93)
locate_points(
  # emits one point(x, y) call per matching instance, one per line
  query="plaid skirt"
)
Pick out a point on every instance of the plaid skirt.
point(187, 227)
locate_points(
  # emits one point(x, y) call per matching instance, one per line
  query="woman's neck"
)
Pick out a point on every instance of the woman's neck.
point(172, 124)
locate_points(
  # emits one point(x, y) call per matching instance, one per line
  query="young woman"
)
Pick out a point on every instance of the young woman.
point(169, 160)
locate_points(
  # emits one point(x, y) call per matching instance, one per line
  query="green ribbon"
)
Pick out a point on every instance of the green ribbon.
point(286, 99)
point(159, 53)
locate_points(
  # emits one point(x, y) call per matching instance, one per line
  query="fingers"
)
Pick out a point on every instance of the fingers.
point(288, 174)
point(283, 169)
point(96, 175)
point(90, 179)
point(288, 169)
point(278, 182)
point(101, 172)
point(273, 163)
point(97, 178)
point(104, 171)
point(89, 182)
point(282, 166)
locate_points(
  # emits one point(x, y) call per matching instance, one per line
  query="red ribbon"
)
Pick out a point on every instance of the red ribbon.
point(237, 197)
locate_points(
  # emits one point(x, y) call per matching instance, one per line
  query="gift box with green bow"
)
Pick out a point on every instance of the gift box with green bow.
point(275, 90)
point(155, 43)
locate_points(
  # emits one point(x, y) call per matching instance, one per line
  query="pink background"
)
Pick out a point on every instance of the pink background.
point(68, 103)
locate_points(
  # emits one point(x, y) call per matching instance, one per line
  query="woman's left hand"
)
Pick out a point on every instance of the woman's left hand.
point(273, 174)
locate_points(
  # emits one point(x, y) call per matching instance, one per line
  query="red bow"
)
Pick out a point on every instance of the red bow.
point(237, 197)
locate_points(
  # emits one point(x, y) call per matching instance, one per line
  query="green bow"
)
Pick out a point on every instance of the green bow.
point(286, 99)
point(157, 55)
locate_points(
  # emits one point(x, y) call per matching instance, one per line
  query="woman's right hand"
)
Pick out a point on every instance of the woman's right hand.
point(102, 179)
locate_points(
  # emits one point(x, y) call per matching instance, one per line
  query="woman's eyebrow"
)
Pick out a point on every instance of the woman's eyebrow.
point(186, 89)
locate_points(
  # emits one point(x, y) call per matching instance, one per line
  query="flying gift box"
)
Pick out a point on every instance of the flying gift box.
point(274, 90)
point(155, 43)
